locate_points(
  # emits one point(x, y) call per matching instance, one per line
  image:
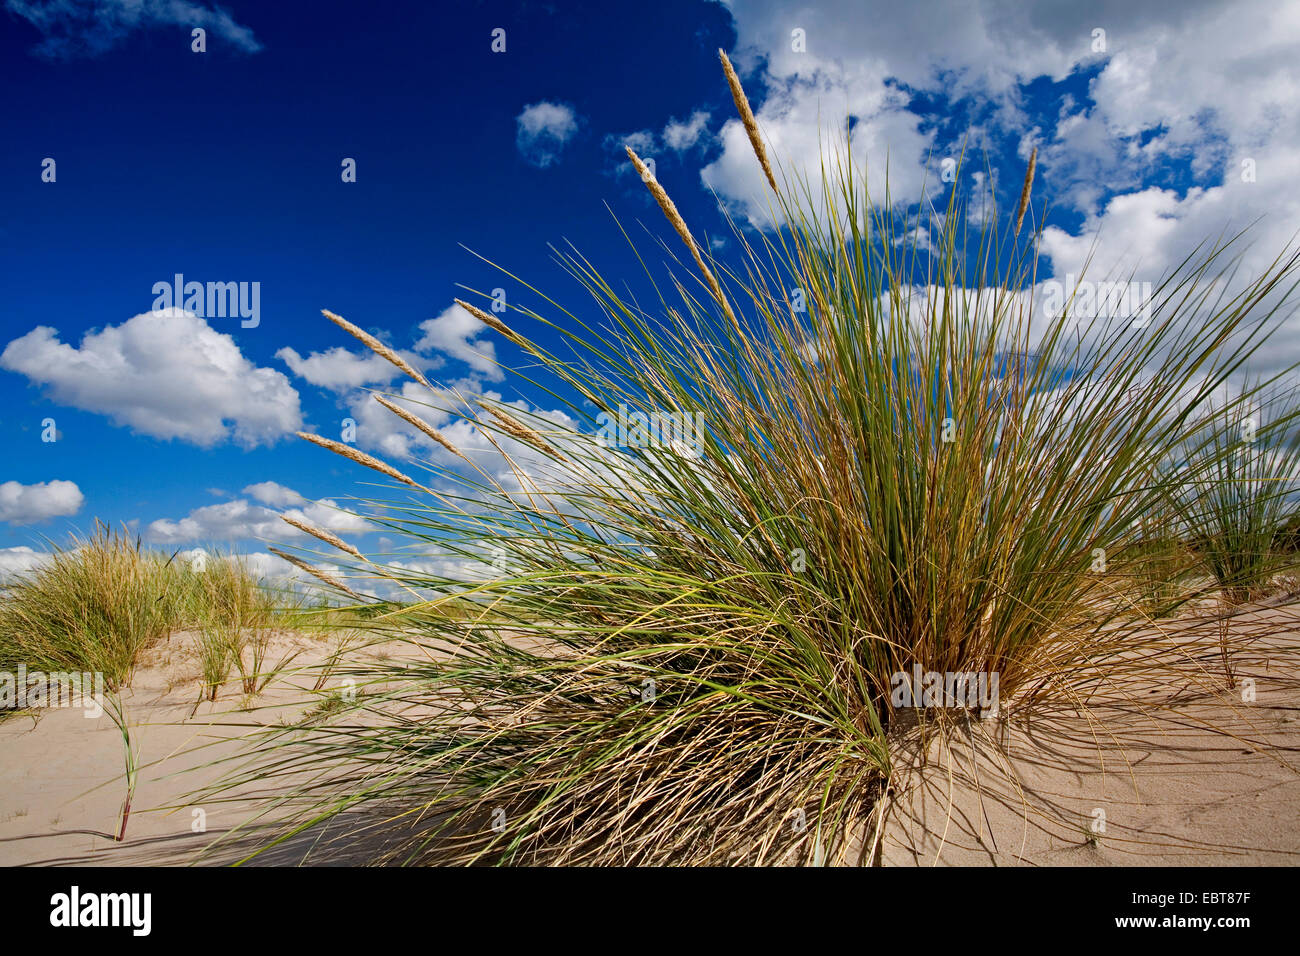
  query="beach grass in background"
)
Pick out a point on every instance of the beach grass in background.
point(94, 605)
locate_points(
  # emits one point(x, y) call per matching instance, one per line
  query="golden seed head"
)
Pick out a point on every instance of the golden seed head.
point(316, 573)
point(674, 217)
point(421, 424)
point(516, 428)
point(491, 321)
point(322, 534)
point(1024, 191)
point(747, 117)
point(360, 458)
point(376, 346)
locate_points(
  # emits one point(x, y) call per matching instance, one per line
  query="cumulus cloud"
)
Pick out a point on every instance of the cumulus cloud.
point(1205, 90)
point(1159, 91)
point(273, 493)
point(242, 519)
point(165, 374)
point(25, 504)
point(802, 122)
point(542, 131)
point(680, 136)
point(72, 28)
point(457, 333)
point(339, 369)
point(15, 562)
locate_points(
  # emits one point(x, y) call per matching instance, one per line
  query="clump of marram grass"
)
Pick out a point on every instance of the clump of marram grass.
point(1236, 480)
point(96, 605)
point(687, 655)
point(1236, 484)
point(91, 607)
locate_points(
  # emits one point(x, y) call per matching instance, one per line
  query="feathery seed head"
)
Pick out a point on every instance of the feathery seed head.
point(322, 534)
point(376, 346)
point(747, 117)
point(516, 428)
point(491, 321)
point(1024, 191)
point(316, 573)
point(360, 458)
point(674, 217)
point(421, 424)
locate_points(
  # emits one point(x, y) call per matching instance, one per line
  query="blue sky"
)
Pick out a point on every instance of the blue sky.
point(225, 165)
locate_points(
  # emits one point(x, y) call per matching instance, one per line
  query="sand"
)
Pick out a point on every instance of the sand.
point(1167, 775)
point(64, 772)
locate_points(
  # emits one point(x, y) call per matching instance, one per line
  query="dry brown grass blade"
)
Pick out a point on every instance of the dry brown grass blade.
point(421, 424)
point(518, 429)
point(376, 346)
point(316, 573)
point(323, 535)
point(747, 117)
point(1025, 190)
point(361, 458)
point(492, 322)
point(678, 223)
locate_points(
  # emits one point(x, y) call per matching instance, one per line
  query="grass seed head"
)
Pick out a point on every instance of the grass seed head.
point(674, 217)
point(491, 321)
point(747, 117)
point(376, 346)
point(421, 424)
point(1025, 190)
point(316, 573)
point(359, 457)
point(323, 535)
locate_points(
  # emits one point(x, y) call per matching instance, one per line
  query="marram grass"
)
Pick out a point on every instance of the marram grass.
point(95, 605)
point(665, 654)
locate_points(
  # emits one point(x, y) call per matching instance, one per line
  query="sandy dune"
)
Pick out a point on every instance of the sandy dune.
point(1171, 775)
point(64, 779)
point(1168, 775)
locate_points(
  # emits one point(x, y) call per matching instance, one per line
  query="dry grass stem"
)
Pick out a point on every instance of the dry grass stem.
point(747, 117)
point(360, 457)
point(323, 535)
point(421, 424)
point(376, 346)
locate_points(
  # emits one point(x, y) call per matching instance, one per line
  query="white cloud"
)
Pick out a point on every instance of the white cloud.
point(25, 504)
point(88, 27)
point(166, 374)
point(243, 520)
point(19, 560)
point(339, 369)
point(274, 494)
point(642, 141)
point(683, 135)
point(542, 130)
point(457, 333)
point(802, 121)
point(1208, 88)
point(1204, 80)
